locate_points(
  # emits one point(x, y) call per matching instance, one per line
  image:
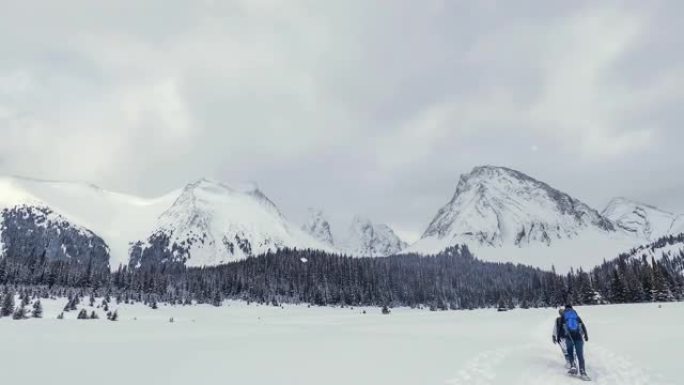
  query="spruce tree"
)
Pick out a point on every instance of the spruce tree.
point(20, 313)
point(37, 310)
point(661, 291)
point(617, 288)
point(7, 308)
point(83, 314)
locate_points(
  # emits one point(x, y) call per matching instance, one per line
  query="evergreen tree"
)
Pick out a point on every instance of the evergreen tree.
point(617, 288)
point(217, 300)
point(7, 308)
point(661, 291)
point(37, 311)
point(20, 313)
point(83, 314)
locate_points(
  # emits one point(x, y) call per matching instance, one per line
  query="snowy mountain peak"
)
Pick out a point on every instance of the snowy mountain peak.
point(497, 206)
point(208, 190)
point(318, 227)
point(212, 223)
point(645, 221)
point(367, 239)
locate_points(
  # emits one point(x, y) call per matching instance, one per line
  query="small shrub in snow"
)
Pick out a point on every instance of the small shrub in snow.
point(83, 314)
point(114, 316)
point(61, 315)
point(94, 315)
point(385, 310)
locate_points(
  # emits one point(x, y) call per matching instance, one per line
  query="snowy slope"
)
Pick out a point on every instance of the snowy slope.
point(678, 225)
point(662, 248)
point(644, 221)
point(367, 239)
point(212, 223)
point(505, 215)
point(318, 227)
point(119, 219)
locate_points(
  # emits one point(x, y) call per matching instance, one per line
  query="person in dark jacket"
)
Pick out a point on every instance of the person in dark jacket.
point(575, 335)
point(559, 338)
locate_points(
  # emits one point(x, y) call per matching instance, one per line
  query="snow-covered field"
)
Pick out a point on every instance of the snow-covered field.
point(263, 345)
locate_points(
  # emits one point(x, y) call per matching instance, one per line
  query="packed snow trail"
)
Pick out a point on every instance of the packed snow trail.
point(541, 363)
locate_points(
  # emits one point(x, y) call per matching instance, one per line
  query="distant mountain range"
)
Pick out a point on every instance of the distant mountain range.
point(204, 223)
point(500, 213)
point(362, 239)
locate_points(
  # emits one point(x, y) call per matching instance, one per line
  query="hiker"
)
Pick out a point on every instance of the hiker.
point(575, 337)
point(559, 338)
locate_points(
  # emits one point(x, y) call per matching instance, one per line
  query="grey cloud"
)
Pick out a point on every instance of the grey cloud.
point(355, 107)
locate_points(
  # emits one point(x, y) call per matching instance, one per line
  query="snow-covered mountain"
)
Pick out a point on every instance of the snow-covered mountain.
point(497, 206)
point(501, 214)
point(642, 220)
point(203, 224)
point(505, 215)
point(367, 239)
point(362, 238)
point(318, 227)
point(212, 223)
point(118, 219)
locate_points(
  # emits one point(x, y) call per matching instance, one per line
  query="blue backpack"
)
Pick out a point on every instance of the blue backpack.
point(571, 320)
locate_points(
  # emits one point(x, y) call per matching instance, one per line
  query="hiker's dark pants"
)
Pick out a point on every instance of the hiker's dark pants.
point(576, 346)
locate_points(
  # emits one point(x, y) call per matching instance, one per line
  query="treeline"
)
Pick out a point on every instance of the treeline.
point(638, 276)
point(453, 279)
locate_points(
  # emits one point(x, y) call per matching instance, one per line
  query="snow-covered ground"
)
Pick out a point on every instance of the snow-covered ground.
point(262, 345)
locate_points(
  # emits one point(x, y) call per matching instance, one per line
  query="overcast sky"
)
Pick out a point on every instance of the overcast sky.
point(351, 106)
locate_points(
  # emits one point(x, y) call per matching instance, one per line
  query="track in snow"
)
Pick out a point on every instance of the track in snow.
point(541, 363)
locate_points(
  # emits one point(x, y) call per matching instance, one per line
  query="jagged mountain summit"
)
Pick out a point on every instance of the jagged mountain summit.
point(363, 238)
point(367, 239)
point(498, 206)
point(506, 215)
point(318, 227)
point(212, 223)
point(644, 221)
